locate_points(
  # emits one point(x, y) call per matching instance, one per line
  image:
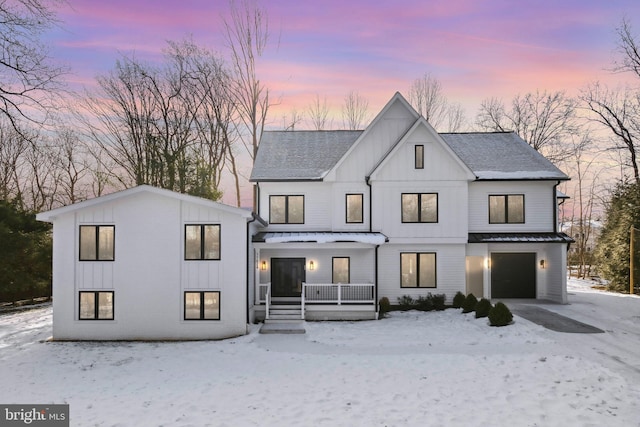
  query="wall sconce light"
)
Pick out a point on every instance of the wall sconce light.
point(542, 263)
point(263, 266)
point(312, 266)
point(487, 263)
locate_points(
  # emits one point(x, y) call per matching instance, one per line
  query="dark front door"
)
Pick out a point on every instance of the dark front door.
point(287, 275)
point(513, 275)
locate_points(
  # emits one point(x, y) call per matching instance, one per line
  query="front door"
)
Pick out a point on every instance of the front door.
point(287, 275)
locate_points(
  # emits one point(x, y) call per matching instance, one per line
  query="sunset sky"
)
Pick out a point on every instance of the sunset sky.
point(477, 49)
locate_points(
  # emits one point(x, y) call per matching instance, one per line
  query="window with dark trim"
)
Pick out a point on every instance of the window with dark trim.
point(202, 242)
point(95, 305)
point(202, 305)
point(418, 270)
point(420, 207)
point(286, 209)
point(419, 156)
point(506, 209)
point(354, 208)
point(97, 242)
point(341, 270)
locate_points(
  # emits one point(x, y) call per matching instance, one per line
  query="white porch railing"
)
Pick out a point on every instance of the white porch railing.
point(264, 296)
point(338, 293)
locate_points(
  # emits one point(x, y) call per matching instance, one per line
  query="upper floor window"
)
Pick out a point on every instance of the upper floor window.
point(419, 156)
point(340, 270)
point(286, 209)
point(354, 208)
point(418, 270)
point(506, 209)
point(96, 242)
point(202, 242)
point(96, 305)
point(421, 207)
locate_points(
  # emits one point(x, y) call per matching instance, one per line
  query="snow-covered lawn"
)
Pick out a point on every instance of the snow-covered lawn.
point(412, 369)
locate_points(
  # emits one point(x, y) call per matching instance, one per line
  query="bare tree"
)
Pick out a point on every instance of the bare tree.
point(247, 34)
point(293, 119)
point(355, 111)
point(544, 120)
point(71, 166)
point(619, 112)
point(318, 112)
point(13, 146)
point(28, 77)
point(628, 48)
point(427, 97)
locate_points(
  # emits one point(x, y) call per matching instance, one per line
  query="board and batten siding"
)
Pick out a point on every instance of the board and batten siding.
point(339, 211)
point(539, 205)
point(452, 213)
point(377, 140)
point(450, 270)
point(318, 204)
point(149, 274)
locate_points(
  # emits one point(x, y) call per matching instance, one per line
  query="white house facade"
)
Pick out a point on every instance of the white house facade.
point(398, 209)
point(342, 219)
point(147, 263)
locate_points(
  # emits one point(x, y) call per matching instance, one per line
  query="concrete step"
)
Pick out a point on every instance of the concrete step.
point(296, 311)
point(289, 327)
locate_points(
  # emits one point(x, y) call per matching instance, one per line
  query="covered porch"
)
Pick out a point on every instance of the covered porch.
point(316, 276)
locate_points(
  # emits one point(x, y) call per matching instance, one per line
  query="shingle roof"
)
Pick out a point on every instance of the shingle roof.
point(300, 155)
point(501, 155)
point(309, 155)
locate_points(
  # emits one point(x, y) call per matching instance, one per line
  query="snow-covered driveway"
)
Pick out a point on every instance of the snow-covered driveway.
point(412, 369)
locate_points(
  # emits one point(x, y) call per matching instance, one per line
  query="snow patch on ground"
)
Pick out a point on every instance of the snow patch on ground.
point(411, 369)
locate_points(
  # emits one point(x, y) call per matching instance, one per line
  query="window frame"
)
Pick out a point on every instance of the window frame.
point(346, 208)
point(435, 272)
point(506, 208)
point(419, 204)
point(418, 152)
point(96, 305)
point(286, 208)
point(97, 228)
point(333, 279)
point(202, 306)
point(202, 242)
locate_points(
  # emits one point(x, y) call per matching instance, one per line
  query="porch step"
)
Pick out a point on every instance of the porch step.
point(285, 312)
point(288, 327)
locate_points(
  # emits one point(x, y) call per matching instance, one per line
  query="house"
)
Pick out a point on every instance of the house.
point(147, 263)
point(343, 218)
point(399, 209)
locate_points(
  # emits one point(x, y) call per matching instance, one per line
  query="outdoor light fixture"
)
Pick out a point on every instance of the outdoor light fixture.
point(312, 266)
point(541, 263)
point(263, 266)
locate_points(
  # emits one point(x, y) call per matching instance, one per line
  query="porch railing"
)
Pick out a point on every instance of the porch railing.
point(264, 296)
point(338, 293)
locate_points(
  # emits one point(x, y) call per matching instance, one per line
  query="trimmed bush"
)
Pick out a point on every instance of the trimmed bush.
point(439, 301)
point(469, 303)
point(405, 302)
point(424, 303)
point(458, 300)
point(483, 307)
point(500, 315)
point(384, 306)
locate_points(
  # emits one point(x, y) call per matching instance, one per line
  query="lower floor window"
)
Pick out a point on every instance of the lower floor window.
point(96, 305)
point(202, 305)
point(418, 270)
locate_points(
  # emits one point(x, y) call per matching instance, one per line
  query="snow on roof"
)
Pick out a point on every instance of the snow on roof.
point(320, 237)
point(501, 156)
point(300, 155)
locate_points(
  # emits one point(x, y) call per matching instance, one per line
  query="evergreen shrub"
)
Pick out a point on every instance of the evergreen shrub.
point(405, 302)
point(458, 300)
point(469, 304)
point(483, 307)
point(500, 315)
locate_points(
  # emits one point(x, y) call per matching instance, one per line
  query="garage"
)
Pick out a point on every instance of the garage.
point(513, 275)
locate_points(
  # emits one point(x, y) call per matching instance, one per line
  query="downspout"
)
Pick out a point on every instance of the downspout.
point(249, 266)
point(375, 258)
point(555, 207)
